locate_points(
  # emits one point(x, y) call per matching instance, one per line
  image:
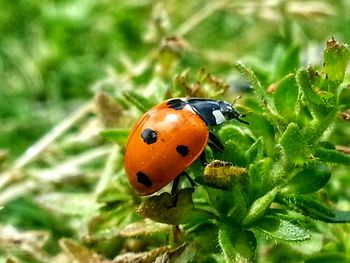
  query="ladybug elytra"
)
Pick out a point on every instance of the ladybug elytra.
point(169, 138)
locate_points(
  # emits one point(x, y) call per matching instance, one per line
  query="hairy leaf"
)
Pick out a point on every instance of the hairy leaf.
point(286, 97)
point(256, 151)
point(294, 145)
point(237, 245)
point(332, 156)
point(281, 229)
point(316, 104)
point(259, 177)
point(344, 98)
point(313, 209)
point(259, 208)
point(336, 57)
point(309, 180)
point(234, 154)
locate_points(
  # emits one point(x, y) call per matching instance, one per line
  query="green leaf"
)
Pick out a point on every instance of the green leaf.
point(237, 245)
point(259, 208)
point(234, 132)
point(140, 102)
point(261, 127)
point(234, 154)
point(340, 216)
point(332, 156)
point(289, 62)
point(205, 237)
point(256, 151)
point(336, 57)
point(309, 180)
point(281, 229)
point(259, 91)
point(161, 208)
point(315, 103)
point(253, 80)
point(286, 97)
point(221, 200)
point(258, 178)
point(227, 245)
point(223, 175)
point(119, 136)
point(344, 99)
point(328, 257)
point(294, 145)
point(312, 208)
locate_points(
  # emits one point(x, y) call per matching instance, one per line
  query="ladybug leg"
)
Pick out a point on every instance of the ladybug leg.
point(175, 191)
point(215, 143)
point(175, 187)
point(176, 182)
point(192, 182)
point(203, 159)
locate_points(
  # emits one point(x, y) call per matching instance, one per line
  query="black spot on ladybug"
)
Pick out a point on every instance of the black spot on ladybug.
point(149, 136)
point(143, 179)
point(182, 149)
point(176, 104)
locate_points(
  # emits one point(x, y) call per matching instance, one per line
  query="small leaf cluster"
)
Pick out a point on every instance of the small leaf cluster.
point(269, 180)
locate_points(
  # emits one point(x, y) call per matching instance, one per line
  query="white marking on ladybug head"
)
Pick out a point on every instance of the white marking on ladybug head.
point(188, 107)
point(219, 117)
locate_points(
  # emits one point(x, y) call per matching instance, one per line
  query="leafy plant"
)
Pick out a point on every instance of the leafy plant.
point(278, 191)
point(269, 180)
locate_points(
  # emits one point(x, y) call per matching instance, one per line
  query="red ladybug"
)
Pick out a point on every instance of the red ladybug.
point(169, 138)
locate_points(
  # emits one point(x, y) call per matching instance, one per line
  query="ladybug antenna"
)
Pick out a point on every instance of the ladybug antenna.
point(240, 120)
point(237, 98)
point(239, 115)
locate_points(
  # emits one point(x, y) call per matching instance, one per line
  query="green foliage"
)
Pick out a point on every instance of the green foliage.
point(286, 97)
point(310, 179)
point(294, 145)
point(280, 181)
point(336, 57)
point(117, 136)
point(286, 161)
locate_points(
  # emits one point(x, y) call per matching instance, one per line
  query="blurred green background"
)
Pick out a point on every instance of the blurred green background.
point(56, 55)
point(53, 52)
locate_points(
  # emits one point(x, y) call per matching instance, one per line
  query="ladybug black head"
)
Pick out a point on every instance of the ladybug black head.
point(230, 112)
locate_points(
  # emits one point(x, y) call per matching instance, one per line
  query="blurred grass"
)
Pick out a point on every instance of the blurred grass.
point(53, 54)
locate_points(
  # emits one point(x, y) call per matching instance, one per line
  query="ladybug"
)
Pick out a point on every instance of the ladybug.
point(170, 137)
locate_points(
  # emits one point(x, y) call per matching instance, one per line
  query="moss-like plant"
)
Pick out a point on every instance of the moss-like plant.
point(267, 182)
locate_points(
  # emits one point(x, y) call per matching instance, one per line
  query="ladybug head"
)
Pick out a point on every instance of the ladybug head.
point(230, 112)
